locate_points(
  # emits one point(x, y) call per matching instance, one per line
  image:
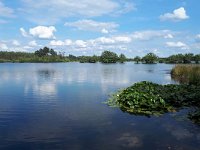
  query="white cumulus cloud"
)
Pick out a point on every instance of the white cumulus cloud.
point(80, 44)
point(3, 46)
point(104, 31)
point(122, 39)
point(67, 42)
point(151, 34)
point(16, 43)
point(91, 25)
point(177, 15)
point(177, 45)
point(23, 32)
point(104, 40)
point(197, 38)
point(33, 43)
point(169, 36)
point(43, 32)
point(57, 43)
point(114, 40)
point(127, 6)
point(92, 44)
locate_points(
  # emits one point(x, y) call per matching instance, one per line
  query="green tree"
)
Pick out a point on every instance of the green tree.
point(94, 58)
point(181, 58)
point(52, 52)
point(83, 59)
point(122, 58)
point(137, 59)
point(161, 60)
point(150, 58)
point(109, 57)
point(188, 58)
point(196, 58)
point(72, 57)
point(88, 59)
point(45, 52)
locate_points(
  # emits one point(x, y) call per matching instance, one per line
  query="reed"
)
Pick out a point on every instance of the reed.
point(186, 74)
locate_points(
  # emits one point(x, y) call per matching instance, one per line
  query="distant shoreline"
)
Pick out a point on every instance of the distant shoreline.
point(47, 55)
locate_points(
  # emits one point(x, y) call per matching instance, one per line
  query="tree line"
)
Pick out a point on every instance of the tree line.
point(173, 59)
point(42, 55)
point(106, 57)
point(50, 55)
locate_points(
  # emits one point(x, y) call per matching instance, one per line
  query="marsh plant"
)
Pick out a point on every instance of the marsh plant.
point(186, 74)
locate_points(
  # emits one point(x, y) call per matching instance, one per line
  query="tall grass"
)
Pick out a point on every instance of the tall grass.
point(187, 74)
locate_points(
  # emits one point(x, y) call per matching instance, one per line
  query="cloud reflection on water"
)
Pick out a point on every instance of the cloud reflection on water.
point(61, 104)
point(45, 79)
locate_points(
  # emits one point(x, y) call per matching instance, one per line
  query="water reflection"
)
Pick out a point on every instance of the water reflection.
point(59, 106)
point(129, 141)
point(47, 74)
point(44, 79)
point(150, 68)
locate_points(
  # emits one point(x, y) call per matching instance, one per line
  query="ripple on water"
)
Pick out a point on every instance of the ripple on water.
point(59, 106)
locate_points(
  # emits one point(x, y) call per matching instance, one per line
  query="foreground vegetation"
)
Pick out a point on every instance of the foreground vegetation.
point(147, 98)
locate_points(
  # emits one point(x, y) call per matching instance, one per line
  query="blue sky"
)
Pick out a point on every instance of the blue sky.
point(87, 27)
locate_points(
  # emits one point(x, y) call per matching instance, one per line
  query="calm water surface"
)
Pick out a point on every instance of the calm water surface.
point(60, 106)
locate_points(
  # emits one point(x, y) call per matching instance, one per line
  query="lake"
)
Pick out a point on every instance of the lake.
point(61, 106)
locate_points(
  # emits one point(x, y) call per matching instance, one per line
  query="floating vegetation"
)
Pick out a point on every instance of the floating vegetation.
point(147, 98)
point(142, 98)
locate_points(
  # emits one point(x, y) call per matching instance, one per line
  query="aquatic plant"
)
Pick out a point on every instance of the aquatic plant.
point(187, 74)
point(147, 98)
point(141, 98)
